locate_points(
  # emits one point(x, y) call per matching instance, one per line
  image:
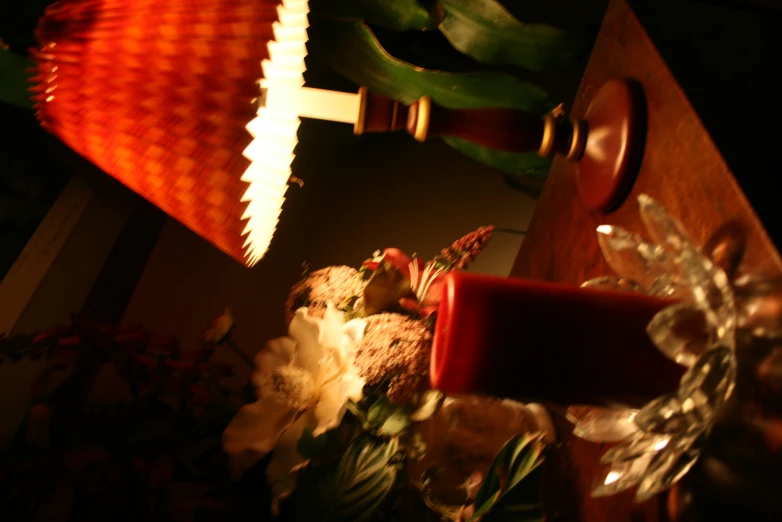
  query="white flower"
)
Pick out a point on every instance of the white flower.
point(302, 381)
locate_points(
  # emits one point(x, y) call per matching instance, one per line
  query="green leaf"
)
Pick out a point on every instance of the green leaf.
point(14, 79)
point(355, 489)
point(312, 447)
point(397, 15)
point(386, 418)
point(356, 410)
point(395, 424)
point(331, 443)
point(528, 165)
point(379, 411)
point(352, 50)
point(511, 489)
point(484, 30)
point(428, 404)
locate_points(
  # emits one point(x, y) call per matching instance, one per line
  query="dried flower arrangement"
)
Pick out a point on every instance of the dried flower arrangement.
point(343, 400)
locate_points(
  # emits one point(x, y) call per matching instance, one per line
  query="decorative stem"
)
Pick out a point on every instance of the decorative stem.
point(497, 128)
point(238, 351)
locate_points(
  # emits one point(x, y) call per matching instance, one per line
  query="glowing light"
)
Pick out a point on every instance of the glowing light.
point(283, 100)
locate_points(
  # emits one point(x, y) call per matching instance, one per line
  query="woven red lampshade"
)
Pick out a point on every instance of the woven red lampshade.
point(157, 93)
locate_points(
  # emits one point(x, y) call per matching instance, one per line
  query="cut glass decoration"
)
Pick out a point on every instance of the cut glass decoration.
point(642, 444)
point(682, 333)
point(619, 476)
point(616, 284)
point(659, 443)
point(606, 424)
point(668, 466)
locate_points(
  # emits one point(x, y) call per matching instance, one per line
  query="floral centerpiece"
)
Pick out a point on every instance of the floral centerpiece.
point(337, 422)
point(344, 398)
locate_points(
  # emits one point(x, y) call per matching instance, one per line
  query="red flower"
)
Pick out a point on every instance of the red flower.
point(420, 287)
point(70, 342)
point(127, 328)
point(48, 334)
point(219, 329)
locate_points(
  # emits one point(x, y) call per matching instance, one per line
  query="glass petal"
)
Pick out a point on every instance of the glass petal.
point(617, 284)
point(709, 284)
point(664, 229)
point(605, 424)
point(710, 290)
point(668, 466)
point(640, 444)
point(615, 477)
point(576, 411)
point(663, 415)
point(759, 306)
point(670, 286)
point(682, 333)
point(708, 384)
point(631, 257)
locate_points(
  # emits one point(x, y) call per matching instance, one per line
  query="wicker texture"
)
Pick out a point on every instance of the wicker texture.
point(158, 94)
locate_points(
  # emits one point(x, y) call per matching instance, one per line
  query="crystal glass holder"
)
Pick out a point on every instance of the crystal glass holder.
point(654, 446)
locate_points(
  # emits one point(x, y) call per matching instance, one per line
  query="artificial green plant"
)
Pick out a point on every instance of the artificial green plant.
point(14, 75)
point(346, 32)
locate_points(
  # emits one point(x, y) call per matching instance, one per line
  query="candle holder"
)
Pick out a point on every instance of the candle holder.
point(606, 145)
point(660, 442)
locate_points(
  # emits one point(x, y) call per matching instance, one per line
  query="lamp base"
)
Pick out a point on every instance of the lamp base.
point(616, 121)
point(607, 145)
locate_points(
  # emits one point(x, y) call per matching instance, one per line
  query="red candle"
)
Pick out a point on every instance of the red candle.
point(547, 342)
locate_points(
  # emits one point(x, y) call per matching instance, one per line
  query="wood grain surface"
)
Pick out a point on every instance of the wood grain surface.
point(684, 171)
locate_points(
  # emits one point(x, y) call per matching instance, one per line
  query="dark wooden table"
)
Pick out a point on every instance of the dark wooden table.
point(684, 171)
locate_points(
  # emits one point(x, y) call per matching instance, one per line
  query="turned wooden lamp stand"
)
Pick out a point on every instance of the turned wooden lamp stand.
point(607, 145)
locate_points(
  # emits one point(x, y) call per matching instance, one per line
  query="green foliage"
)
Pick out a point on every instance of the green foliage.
point(510, 492)
point(354, 489)
point(331, 444)
point(355, 468)
point(481, 29)
point(427, 405)
point(311, 447)
point(14, 79)
point(397, 15)
point(352, 50)
point(387, 419)
point(484, 30)
point(528, 165)
point(378, 416)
